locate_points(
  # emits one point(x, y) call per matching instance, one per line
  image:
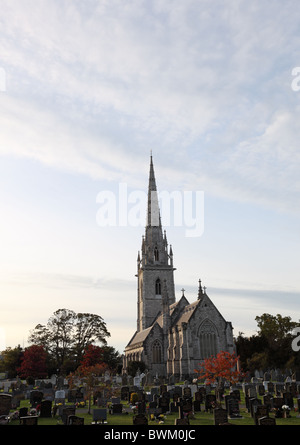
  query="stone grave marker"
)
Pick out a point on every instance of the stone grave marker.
point(261, 390)
point(60, 396)
point(66, 412)
point(233, 408)
point(30, 420)
point(99, 415)
point(288, 399)
point(253, 403)
point(140, 419)
point(187, 392)
point(35, 398)
point(5, 404)
point(75, 420)
point(268, 401)
point(259, 412)
point(46, 407)
point(125, 393)
point(163, 403)
point(267, 421)
point(278, 402)
point(197, 406)
point(210, 402)
point(117, 408)
point(220, 416)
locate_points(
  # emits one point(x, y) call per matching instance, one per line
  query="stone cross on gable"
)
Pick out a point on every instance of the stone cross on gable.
point(182, 290)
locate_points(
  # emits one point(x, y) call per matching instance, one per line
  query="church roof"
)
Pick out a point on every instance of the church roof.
point(187, 312)
point(139, 337)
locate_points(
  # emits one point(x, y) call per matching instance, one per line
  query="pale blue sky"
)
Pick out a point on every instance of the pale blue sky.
point(91, 87)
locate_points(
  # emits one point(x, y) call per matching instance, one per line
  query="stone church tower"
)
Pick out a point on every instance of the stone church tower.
point(172, 337)
point(155, 264)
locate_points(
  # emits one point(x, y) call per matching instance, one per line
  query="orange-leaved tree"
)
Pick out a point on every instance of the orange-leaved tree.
point(221, 368)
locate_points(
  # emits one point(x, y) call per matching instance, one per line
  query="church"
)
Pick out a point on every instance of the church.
point(172, 337)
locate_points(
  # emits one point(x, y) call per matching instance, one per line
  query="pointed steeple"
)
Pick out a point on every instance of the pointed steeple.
point(155, 263)
point(153, 215)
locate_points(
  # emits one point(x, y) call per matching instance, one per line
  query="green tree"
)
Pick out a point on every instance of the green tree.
point(271, 347)
point(278, 334)
point(66, 336)
point(133, 367)
point(11, 360)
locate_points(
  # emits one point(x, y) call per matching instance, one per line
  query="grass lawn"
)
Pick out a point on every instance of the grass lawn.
point(200, 418)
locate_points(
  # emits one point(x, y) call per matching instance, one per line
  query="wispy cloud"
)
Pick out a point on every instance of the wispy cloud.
point(93, 86)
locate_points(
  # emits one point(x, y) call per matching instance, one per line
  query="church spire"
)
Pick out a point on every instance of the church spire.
point(153, 215)
point(155, 264)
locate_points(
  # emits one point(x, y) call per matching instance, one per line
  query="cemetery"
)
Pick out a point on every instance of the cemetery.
point(139, 400)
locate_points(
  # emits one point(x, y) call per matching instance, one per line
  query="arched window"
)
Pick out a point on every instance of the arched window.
point(158, 287)
point(156, 254)
point(156, 352)
point(207, 340)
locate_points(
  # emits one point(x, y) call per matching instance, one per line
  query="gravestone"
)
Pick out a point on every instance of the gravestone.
point(23, 412)
point(60, 396)
point(268, 401)
point(210, 402)
point(163, 403)
point(187, 392)
point(141, 406)
point(117, 408)
point(261, 390)
point(71, 395)
point(199, 396)
point(288, 399)
point(99, 415)
point(66, 412)
point(267, 421)
point(251, 392)
point(30, 420)
point(187, 405)
point(125, 393)
point(220, 416)
point(197, 406)
point(35, 398)
point(259, 412)
point(18, 395)
point(75, 420)
point(5, 404)
point(140, 419)
point(252, 405)
point(46, 406)
point(233, 408)
point(278, 402)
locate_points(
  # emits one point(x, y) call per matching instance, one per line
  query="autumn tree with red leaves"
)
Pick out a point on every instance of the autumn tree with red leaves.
point(33, 363)
point(221, 368)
